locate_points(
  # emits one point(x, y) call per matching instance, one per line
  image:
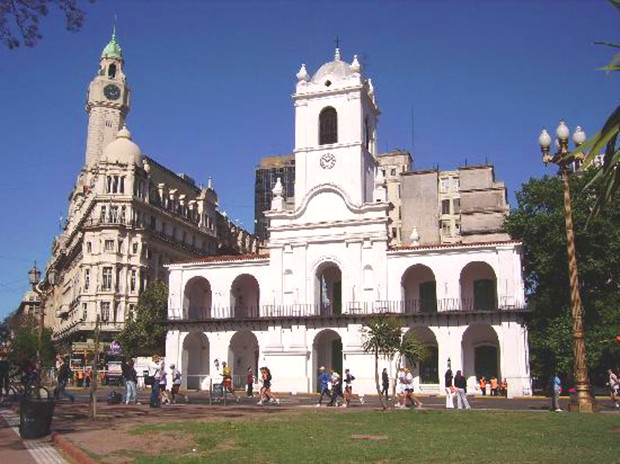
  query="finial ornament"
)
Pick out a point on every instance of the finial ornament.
point(356, 66)
point(415, 237)
point(278, 189)
point(277, 203)
point(303, 75)
point(337, 54)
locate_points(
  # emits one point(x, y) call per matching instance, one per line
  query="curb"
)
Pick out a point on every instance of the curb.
point(76, 454)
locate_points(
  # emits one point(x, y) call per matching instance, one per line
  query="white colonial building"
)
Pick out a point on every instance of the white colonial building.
point(329, 268)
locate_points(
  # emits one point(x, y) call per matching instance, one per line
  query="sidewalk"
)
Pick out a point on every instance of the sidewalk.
point(14, 450)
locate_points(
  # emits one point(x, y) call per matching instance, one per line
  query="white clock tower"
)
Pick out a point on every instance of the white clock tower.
point(335, 130)
point(107, 103)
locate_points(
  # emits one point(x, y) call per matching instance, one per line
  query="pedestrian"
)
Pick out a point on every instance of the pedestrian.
point(163, 383)
point(336, 382)
point(449, 389)
point(614, 388)
point(348, 387)
point(154, 374)
point(266, 396)
point(401, 388)
point(504, 388)
point(324, 383)
point(177, 379)
point(409, 389)
point(88, 377)
point(483, 385)
point(131, 379)
point(385, 383)
point(227, 385)
point(494, 386)
point(64, 373)
point(4, 375)
point(555, 385)
point(460, 387)
point(249, 380)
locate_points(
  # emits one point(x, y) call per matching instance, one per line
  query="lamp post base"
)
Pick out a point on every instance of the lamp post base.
point(586, 405)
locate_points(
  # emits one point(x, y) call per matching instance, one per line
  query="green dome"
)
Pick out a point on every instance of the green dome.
point(112, 49)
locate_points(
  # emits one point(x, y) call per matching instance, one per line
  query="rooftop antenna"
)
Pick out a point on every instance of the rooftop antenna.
point(114, 26)
point(337, 53)
point(412, 131)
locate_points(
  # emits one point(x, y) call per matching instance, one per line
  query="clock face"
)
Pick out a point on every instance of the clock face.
point(112, 92)
point(328, 161)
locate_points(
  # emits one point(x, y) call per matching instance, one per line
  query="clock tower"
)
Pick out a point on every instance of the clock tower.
point(107, 103)
point(335, 130)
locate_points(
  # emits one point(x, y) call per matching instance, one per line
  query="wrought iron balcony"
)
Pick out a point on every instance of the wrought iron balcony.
point(348, 309)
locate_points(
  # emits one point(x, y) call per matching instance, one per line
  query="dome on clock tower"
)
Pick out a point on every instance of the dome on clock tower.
point(123, 150)
point(336, 69)
point(112, 49)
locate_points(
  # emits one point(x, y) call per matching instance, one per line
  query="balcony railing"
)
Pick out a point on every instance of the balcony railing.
point(348, 309)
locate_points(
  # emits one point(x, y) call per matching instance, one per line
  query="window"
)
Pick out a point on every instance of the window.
point(328, 126)
point(103, 214)
point(133, 280)
point(134, 248)
point(122, 185)
point(484, 294)
point(123, 214)
point(428, 297)
point(392, 172)
point(105, 311)
point(445, 206)
point(86, 279)
point(394, 232)
point(113, 214)
point(112, 71)
point(445, 228)
point(89, 247)
point(108, 245)
point(84, 311)
point(366, 134)
point(457, 227)
point(107, 278)
point(444, 184)
point(456, 184)
point(131, 312)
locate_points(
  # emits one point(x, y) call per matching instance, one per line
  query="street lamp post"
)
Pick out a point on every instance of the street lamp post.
point(38, 286)
point(582, 401)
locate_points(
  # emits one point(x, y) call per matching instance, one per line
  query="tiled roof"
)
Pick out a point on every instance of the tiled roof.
point(451, 245)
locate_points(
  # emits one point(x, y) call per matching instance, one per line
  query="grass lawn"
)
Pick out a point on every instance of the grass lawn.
point(321, 436)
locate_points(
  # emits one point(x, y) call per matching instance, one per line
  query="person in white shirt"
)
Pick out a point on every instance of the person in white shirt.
point(155, 373)
point(614, 388)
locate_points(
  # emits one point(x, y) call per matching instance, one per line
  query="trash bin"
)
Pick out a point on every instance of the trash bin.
point(35, 417)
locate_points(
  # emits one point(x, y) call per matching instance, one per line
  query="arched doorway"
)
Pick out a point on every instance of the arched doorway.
point(478, 287)
point(195, 360)
point(197, 299)
point(419, 290)
point(326, 352)
point(328, 294)
point(481, 354)
point(243, 352)
point(245, 296)
point(426, 373)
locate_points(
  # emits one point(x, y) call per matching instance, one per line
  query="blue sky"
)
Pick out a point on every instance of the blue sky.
point(211, 85)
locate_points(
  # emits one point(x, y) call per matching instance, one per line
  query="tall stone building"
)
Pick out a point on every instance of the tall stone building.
point(462, 206)
point(267, 172)
point(392, 166)
point(128, 217)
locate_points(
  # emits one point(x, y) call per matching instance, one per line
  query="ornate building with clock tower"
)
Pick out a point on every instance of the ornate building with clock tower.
point(108, 101)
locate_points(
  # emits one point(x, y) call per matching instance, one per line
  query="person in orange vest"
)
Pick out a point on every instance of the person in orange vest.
point(80, 377)
point(483, 385)
point(504, 388)
point(494, 386)
point(89, 375)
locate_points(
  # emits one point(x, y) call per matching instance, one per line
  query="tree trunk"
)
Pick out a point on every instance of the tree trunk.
point(383, 405)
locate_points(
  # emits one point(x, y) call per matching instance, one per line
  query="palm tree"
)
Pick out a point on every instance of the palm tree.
point(382, 338)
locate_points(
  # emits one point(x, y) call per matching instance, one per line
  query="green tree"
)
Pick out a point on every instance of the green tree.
point(411, 349)
point(382, 338)
point(145, 333)
point(538, 221)
point(25, 342)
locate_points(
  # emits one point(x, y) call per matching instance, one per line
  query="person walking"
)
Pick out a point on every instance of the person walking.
point(336, 381)
point(227, 384)
point(460, 387)
point(401, 389)
point(64, 373)
point(494, 386)
point(449, 389)
point(556, 389)
point(266, 396)
point(385, 383)
point(249, 381)
point(177, 379)
point(154, 373)
point(409, 389)
point(614, 388)
point(323, 380)
point(483, 385)
point(348, 387)
point(131, 379)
